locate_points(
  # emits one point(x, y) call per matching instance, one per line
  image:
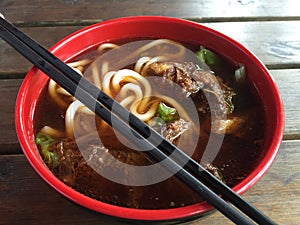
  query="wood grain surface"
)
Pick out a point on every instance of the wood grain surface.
point(270, 29)
point(78, 10)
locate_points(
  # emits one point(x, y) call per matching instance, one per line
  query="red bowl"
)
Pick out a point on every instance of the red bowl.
point(156, 27)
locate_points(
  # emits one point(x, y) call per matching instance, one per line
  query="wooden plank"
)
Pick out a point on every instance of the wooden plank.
point(284, 51)
point(24, 196)
point(43, 10)
point(13, 63)
point(287, 80)
point(259, 38)
point(8, 138)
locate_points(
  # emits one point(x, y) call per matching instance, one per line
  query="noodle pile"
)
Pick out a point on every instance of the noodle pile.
point(129, 87)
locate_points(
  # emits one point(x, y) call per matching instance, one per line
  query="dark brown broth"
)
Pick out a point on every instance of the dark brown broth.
point(236, 159)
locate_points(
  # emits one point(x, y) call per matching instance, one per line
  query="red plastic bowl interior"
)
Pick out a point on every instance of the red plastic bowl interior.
point(156, 27)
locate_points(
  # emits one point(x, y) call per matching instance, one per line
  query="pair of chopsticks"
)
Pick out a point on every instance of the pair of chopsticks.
point(192, 173)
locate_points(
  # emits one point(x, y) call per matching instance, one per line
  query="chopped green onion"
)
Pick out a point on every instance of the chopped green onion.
point(45, 142)
point(167, 113)
point(240, 73)
point(207, 56)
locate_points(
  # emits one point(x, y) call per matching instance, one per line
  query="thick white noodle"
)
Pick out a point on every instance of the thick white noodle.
point(106, 46)
point(56, 92)
point(62, 91)
point(83, 62)
point(136, 94)
point(70, 116)
point(52, 132)
point(157, 42)
point(106, 83)
point(96, 76)
point(140, 63)
point(121, 75)
point(146, 63)
point(134, 88)
point(125, 102)
point(104, 69)
point(52, 90)
point(145, 115)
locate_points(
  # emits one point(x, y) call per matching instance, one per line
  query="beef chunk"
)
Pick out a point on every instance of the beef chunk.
point(77, 169)
point(215, 171)
point(179, 73)
point(175, 129)
point(171, 130)
point(80, 169)
point(216, 95)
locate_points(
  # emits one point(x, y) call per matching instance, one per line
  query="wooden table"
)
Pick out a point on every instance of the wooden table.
point(271, 29)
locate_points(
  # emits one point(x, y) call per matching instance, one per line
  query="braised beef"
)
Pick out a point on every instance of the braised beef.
point(216, 95)
point(175, 129)
point(213, 169)
point(179, 73)
point(80, 170)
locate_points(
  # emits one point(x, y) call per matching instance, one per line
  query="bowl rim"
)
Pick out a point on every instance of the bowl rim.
point(142, 214)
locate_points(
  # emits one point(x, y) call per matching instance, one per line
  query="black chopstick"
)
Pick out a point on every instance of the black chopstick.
point(89, 94)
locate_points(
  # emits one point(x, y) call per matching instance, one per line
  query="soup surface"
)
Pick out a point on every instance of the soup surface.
point(192, 96)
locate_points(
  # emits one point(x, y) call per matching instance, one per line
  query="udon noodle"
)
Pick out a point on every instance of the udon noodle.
point(122, 82)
